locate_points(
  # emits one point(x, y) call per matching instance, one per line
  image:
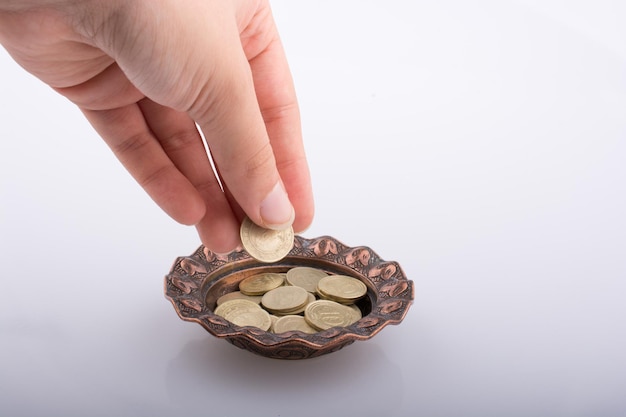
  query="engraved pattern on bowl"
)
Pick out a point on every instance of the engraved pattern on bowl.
point(195, 282)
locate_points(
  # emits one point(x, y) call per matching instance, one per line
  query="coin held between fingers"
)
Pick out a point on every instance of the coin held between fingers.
point(266, 245)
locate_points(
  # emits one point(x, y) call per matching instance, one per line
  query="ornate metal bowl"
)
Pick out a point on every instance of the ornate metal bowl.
point(195, 282)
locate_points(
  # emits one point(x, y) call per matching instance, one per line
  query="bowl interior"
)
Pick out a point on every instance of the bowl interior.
point(227, 279)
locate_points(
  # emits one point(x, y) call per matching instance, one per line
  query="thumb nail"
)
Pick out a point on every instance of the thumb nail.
point(276, 210)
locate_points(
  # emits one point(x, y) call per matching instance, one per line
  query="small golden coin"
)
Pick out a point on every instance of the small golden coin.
point(265, 245)
point(238, 295)
point(324, 314)
point(292, 322)
point(259, 284)
point(305, 277)
point(301, 309)
point(285, 299)
point(224, 309)
point(297, 311)
point(256, 318)
point(244, 313)
point(341, 288)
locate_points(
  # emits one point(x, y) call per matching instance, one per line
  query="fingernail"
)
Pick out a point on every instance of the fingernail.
point(276, 210)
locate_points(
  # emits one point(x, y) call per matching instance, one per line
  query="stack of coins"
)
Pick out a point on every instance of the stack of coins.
point(324, 314)
point(341, 288)
point(305, 277)
point(286, 300)
point(304, 299)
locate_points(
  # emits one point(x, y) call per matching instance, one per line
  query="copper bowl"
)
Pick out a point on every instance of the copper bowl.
point(195, 282)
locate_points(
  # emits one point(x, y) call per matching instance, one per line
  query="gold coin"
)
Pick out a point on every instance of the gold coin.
point(324, 314)
point(259, 284)
point(226, 307)
point(257, 318)
point(244, 313)
point(265, 245)
point(297, 311)
point(341, 288)
point(285, 299)
point(301, 309)
point(305, 277)
point(235, 295)
point(292, 322)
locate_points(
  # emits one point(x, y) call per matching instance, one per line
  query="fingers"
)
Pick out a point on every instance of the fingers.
point(163, 151)
point(236, 133)
point(125, 131)
point(181, 141)
point(278, 104)
point(271, 152)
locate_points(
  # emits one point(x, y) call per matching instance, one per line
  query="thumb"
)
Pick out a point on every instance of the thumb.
point(231, 121)
point(228, 113)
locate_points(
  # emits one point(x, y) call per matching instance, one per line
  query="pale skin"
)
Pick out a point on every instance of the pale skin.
point(148, 73)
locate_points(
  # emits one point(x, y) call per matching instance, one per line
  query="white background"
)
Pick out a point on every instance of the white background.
point(482, 145)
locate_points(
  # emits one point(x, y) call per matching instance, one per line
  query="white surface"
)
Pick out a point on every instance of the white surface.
point(481, 146)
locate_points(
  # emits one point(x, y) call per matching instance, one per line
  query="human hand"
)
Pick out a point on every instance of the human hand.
point(146, 73)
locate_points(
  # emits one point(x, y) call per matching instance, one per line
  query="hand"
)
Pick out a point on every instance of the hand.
point(147, 73)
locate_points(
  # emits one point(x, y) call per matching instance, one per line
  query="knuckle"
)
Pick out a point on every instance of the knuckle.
point(132, 144)
point(180, 141)
point(260, 162)
point(291, 164)
point(278, 113)
point(155, 176)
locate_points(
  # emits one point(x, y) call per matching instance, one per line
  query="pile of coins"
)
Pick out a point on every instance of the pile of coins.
point(304, 298)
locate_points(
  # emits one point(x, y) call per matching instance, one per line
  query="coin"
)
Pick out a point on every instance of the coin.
point(296, 311)
point(292, 322)
point(341, 288)
point(238, 295)
point(324, 314)
point(285, 299)
point(244, 313)
point(301, 309)
point(305, 277)
point(261, 283)
point(265, 245)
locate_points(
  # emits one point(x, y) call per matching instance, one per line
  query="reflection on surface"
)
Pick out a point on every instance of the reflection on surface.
point(212, 375)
